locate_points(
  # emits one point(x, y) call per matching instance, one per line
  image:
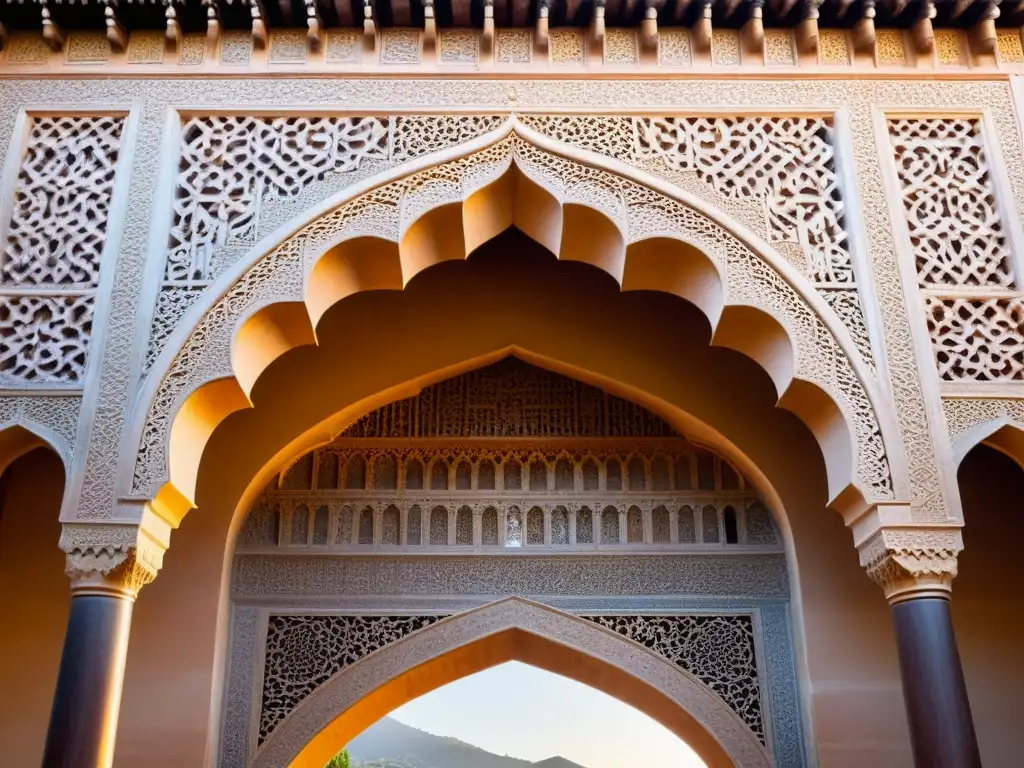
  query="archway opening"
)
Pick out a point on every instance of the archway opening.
point(648, 348)
point(515, 715)
point(988, 594)
point(34, 595)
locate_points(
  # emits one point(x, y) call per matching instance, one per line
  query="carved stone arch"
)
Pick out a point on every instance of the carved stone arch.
point(754, 300)
point(19, 436)
point(512, 629)
point(1004, 433)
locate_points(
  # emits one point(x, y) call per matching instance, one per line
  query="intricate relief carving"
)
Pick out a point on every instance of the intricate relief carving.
point(977, 339)
point(753, 575)
point(27, 49)
point(778, 47)
point(459, 46)
point(58, 413)
point(963, 414)
point(287, 47)
point(193, 48)
point(400, 46)
point(88, 48)
point(515, 46)
point(304, 652)
point(725, 47)
point(418, 135)
point(276, 277)
point(950, 203)
point(646, 212)
point(1008, 43)
point(674, 48)
point(787, 164)
point(833, 47)
point(343, 46)
point(110, 559)
point(566, 46)
point(960, 246)
point(620, 46)
point(511, 399)
point(236, 48)
point(146, 48)
point(948, 48)
point(54, 246)
point(229, 168)
point(889, 47)
point(45, 339)
point(717, 650)
point(61, 203)
point(912, 563)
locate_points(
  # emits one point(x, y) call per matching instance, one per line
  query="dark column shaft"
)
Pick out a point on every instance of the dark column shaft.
point(941, 728)
point(83, 721)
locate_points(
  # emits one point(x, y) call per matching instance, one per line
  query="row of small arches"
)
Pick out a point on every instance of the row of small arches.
point(511, 526)
point(696, 470)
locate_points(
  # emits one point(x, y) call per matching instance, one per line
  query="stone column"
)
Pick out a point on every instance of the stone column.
point(107, 565)
point(916, 570)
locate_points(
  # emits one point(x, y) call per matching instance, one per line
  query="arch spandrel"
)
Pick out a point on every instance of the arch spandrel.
point(819, 349)
point(510, 629)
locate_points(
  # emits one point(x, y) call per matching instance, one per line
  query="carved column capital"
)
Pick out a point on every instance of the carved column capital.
point(910, 563)
point(109, 559)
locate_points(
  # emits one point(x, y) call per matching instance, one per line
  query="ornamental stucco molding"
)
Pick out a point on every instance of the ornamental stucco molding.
point(815, 96)
point(912, 563)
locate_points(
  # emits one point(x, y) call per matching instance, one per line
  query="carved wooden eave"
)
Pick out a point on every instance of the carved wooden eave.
point(594, 15)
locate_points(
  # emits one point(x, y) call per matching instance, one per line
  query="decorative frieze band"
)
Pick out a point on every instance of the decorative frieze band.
point(654, 49)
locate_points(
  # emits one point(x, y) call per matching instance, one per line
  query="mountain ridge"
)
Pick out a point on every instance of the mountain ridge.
point(392, 744)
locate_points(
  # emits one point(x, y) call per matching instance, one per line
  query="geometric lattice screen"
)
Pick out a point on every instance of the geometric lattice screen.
point(963, 255)
point(53, 244)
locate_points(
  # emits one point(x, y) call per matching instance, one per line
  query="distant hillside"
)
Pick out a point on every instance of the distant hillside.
point(391, 744)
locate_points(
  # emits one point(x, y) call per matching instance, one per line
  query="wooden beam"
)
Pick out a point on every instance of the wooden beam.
point(520, 12)
point(401, 14)
point(460, 13)
point(286, 12)
point(679, 9)
point(731, 6)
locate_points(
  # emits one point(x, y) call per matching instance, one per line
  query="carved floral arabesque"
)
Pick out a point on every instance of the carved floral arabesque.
point(962, 252)
point(787, 165)
point(964, 414)
point(234, 170)
point(98, 490)
point(49, 267)
point(53, 412)
point(303, 652)
point(638, 210)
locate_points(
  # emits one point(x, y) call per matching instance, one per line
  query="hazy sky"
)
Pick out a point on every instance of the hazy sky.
point(525, 712)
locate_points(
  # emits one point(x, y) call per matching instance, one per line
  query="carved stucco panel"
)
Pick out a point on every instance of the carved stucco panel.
point(964, 414)
point(748, 277)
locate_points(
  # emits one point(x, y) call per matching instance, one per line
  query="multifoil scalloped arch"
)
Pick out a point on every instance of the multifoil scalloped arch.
point(506, 630)
point(755, 301)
